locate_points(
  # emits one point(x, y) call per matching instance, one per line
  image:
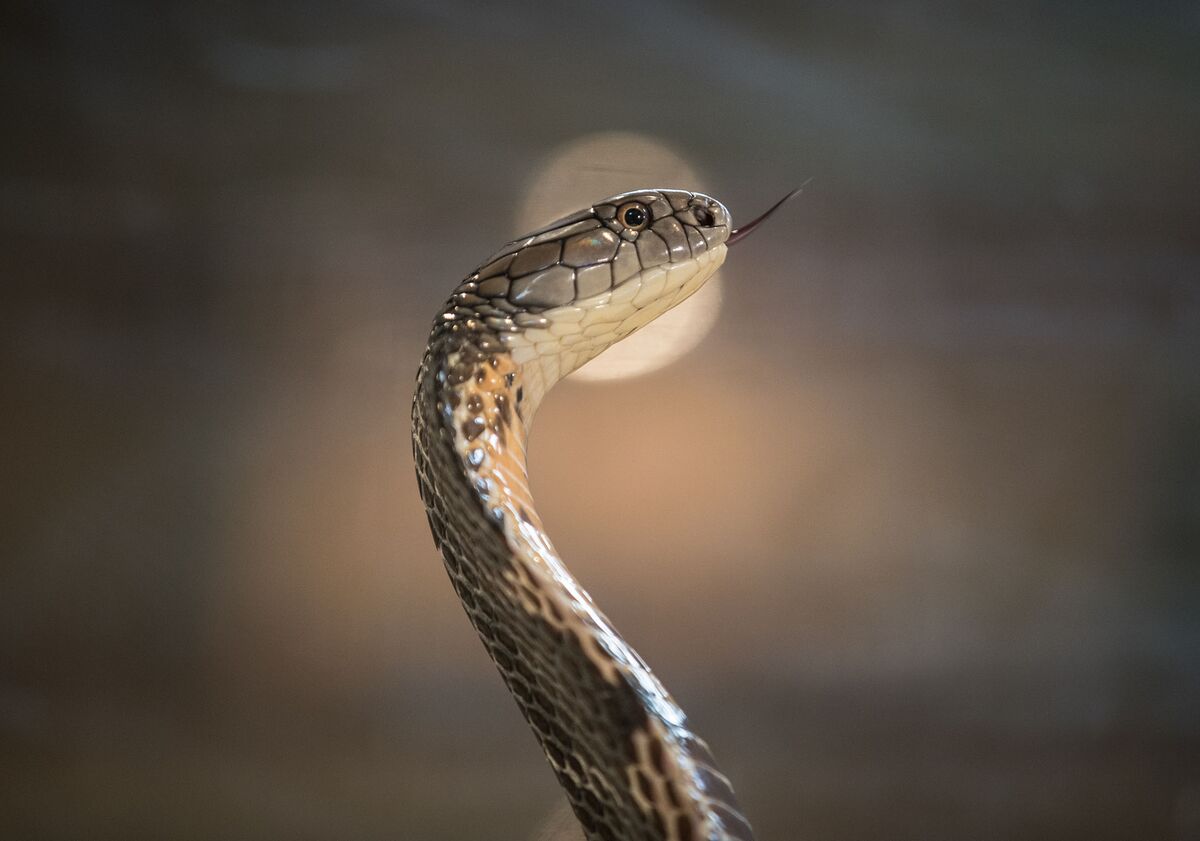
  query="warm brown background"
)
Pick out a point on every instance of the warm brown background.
point(914, 535)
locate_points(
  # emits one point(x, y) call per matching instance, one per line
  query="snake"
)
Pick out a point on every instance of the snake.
point(631, 765)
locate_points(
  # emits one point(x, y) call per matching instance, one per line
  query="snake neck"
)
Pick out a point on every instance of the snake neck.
point(618, 743)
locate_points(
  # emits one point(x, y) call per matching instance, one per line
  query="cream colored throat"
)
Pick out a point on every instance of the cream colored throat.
point(567, 337)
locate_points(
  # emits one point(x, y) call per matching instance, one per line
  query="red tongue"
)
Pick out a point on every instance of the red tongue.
point(744, 231)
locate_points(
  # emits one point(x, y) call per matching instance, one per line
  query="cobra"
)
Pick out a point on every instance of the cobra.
point(631, 765)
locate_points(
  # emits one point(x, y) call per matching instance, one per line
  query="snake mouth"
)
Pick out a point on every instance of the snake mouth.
point(744, 231)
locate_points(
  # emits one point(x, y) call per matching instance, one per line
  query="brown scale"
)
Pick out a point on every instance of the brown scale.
point(610, 750)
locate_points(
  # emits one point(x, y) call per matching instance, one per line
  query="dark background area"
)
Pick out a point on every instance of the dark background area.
point(914, 534)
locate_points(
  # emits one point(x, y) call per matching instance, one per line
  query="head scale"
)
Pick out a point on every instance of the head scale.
point(602, 247)
point(562, 294)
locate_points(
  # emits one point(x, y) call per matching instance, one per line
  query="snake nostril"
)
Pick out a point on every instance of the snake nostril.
point(703, 216)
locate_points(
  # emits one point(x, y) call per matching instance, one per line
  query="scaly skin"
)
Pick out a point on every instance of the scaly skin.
point(621, 747)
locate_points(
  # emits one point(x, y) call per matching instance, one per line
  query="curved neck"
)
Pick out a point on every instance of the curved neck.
point(619, 744)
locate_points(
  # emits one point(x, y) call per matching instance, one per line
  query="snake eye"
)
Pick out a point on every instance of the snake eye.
point(634, 215)
point(703, 216)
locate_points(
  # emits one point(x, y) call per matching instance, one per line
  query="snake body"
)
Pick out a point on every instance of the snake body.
point(623, 750)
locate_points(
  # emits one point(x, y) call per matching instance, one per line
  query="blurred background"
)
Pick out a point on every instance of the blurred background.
point(913, 532)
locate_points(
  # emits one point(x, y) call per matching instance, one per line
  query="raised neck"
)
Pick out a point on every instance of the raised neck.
point(620, 746)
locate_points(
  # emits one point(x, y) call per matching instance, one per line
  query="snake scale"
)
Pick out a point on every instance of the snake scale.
point(545, 304)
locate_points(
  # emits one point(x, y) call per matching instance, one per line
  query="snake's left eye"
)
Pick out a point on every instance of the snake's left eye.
point(634, 215)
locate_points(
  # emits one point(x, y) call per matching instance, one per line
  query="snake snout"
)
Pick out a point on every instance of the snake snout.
point(707, 212)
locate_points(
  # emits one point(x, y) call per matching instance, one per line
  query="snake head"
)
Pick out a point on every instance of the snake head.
point(577, 259)
point(560, 295)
